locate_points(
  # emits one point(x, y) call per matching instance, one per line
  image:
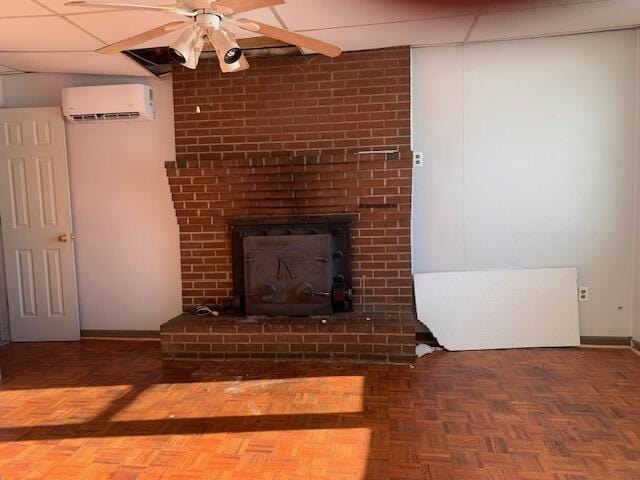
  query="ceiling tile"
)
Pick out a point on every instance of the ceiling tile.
point(115, 26)
point(60, 7)
point(312, 14)
point(73, 62)
point(422, 32)
point(21, 8)
point(43, 34)
point(526, 4)
point(263, 15)
point(535, 22)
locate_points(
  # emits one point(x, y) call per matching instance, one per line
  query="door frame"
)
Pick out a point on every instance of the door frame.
point(5, 332)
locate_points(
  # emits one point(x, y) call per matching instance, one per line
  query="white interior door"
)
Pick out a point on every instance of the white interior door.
point(36, 226)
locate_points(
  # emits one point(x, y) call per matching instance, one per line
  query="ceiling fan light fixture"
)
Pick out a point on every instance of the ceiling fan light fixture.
point(230, 56)
point(187, 48)
point(176, 56)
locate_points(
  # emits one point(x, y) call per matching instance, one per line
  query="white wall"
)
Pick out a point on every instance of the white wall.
point(127, 248)
point(4, 314)
point(636, 319)
point(530, 162)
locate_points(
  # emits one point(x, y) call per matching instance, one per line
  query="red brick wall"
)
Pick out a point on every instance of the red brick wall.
point(283, 139)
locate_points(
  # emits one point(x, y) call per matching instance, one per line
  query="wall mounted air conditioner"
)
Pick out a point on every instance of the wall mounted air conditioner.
point(108, 102)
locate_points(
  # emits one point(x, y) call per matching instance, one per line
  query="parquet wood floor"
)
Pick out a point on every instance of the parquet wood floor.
point(114, 410)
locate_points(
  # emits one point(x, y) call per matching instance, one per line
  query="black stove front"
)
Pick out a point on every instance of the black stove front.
point(295, 266)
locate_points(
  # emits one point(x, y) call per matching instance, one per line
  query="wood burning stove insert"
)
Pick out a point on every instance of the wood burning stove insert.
point(296, 266)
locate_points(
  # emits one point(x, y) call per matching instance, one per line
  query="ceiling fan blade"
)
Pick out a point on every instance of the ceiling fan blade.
point(303, 41)
point(130, 6)
point(229, 7)
point(130, 42)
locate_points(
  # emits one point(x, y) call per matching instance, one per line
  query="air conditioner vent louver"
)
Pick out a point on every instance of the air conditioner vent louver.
point(94, 117)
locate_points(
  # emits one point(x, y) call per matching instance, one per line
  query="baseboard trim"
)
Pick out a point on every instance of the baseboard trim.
point(121, 334)
point(635, 344)
point(588, 340)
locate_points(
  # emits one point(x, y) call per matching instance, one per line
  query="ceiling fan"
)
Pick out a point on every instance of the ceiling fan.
point(207, 23)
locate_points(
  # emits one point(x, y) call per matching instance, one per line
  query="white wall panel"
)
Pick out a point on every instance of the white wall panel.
point(636, 219)
point(530, 162)
point(500, 309)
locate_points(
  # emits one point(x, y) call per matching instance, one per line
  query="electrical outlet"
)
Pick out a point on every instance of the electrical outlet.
point(418, 159)
point(583, 294)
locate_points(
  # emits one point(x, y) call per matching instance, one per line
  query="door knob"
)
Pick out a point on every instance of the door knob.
point(63, 238)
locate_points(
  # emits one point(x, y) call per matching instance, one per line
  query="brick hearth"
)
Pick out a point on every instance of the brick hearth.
point(344, 337)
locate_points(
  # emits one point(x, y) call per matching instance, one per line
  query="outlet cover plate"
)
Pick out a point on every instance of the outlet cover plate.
point(583, 294)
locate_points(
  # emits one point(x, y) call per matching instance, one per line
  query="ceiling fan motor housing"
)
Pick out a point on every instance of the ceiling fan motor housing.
point(194, 4)
point(208, 20)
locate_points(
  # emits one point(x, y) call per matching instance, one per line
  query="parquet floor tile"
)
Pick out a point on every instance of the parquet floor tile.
point(114, 410)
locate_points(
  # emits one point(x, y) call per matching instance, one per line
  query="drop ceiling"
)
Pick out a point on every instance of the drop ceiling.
point(47, 36)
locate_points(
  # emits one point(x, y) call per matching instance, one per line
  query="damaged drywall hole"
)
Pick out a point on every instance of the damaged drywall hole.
point(423, 349)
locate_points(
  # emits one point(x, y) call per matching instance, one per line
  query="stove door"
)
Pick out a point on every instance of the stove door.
point(288, 275)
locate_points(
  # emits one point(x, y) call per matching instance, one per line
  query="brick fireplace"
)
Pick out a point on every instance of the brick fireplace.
point(296, 137)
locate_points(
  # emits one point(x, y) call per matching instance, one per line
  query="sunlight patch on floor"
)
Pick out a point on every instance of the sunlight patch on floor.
point(183, 401)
